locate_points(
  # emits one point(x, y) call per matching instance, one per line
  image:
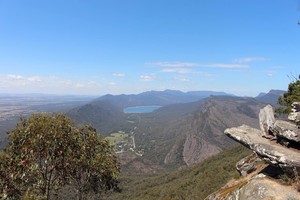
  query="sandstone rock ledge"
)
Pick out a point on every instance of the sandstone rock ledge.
point(269, 151)
point(278, 144)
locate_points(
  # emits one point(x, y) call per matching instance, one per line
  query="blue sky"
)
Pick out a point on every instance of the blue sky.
point(94, 47)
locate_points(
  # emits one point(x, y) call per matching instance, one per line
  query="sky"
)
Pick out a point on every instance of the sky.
point(95, 47)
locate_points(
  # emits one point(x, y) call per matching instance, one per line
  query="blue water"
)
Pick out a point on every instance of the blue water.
point(140, 109)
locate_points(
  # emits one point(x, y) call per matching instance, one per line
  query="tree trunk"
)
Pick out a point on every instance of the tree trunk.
point(79, 195)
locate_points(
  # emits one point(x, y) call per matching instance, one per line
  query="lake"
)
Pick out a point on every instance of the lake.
point(140, 109)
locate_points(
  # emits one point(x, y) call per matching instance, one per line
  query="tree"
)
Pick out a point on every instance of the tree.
point(46, 152)
point(7, 184)
point(292, 95)
point(93, 166)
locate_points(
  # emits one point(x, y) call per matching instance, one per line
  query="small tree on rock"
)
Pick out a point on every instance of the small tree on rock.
point(292, 95)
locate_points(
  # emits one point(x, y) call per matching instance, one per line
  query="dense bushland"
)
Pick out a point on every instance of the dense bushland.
point(194, 182)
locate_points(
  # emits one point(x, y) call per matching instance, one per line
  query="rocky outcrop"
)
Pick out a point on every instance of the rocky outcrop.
point(285, 132)
point(279, 129)
point(269, 151)
point(277, 143)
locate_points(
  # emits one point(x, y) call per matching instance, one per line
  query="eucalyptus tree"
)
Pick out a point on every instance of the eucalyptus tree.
point(47, 152)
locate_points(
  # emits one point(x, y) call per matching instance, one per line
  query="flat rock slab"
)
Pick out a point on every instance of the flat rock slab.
point(271, 152)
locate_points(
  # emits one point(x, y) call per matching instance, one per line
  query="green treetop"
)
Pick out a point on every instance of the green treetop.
point(292, 95)
point(47, 152)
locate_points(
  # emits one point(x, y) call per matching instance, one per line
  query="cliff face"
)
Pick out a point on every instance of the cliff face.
point(197, 135)
point(195, 149)
point(206, 137)
point(277, 145)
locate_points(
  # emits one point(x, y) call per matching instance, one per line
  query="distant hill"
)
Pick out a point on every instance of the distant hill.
point(271, 97)
point(102, 114)
point(261, 94)
point(159, 98)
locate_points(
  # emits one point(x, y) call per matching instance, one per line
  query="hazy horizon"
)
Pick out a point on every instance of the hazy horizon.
point(99, 95)
point(128, 47)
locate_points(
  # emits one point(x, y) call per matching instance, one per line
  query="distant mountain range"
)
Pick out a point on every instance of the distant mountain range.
point(185, 130)
point(106, 113)
point(159, 98)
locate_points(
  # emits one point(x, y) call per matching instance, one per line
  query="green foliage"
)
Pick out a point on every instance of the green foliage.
point(93, 166)
point(46, 152)
point(291, 96)
point(195, 182)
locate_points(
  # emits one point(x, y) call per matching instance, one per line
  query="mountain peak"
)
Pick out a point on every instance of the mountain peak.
point(271, 97)
point(277, 92)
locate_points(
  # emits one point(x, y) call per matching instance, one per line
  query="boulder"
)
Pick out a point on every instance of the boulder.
point(266, 120)
point(295, 114)
point(296, 107)
point(247, 164)
point(288, 130)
